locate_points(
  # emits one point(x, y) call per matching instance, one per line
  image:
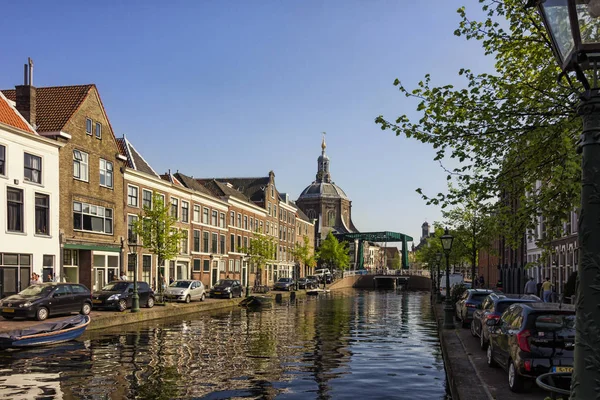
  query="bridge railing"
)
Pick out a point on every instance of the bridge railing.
point(393, 272)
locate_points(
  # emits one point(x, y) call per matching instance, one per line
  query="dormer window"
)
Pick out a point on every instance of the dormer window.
point(88, 126)
point(98, 130)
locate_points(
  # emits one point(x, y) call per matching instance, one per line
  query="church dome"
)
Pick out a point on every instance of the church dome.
point(322, 189)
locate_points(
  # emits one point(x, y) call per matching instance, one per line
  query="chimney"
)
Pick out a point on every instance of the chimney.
point(26, 95)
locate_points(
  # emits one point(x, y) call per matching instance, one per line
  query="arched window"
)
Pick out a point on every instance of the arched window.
point(311, 214)
point(331, 218)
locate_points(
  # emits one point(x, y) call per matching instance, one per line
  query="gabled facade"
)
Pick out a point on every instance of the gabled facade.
point(92, 224)
point(29, 200)
point(305, 228)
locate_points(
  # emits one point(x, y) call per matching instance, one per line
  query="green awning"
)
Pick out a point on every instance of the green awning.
point(94, 247)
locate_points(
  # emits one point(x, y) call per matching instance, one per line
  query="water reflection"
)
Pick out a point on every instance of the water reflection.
point(368, 344)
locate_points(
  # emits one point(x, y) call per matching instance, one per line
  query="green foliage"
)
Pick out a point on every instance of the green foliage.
point(508, 129)
point(262, 249)
point(396, 262)
point(334, 253)
point(304, 254)
point(457, 291)
point(156, 228)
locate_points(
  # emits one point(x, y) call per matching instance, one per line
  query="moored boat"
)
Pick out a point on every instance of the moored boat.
point(314, 292)
point(47, 333)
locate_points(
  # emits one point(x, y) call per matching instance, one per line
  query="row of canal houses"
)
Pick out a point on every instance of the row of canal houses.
point(70, 191)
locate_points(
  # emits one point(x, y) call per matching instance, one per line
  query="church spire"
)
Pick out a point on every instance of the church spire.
point(323, 164)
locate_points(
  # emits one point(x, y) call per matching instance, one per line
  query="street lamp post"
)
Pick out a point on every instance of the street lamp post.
point(135, 298)
point(247, 274)
point(448, 309)
point(572, 27)
point(438, 260)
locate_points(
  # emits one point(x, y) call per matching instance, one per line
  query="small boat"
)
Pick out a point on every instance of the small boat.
point(47, 333)
point(315, 292)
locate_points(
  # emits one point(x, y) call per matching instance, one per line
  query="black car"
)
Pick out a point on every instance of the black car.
point(492, 308)
point(468, 303)
point(47, 299)
point(118, 295)
point(531, 339)
point(228, 288)
point(306, 283)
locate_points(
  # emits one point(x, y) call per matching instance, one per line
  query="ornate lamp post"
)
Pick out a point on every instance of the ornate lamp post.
point(438, 260)
point(135, 298)
point(246, 258)
point(573, 28)
point(447, 240)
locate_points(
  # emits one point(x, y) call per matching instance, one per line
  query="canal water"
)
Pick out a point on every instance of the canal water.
point(344, 345)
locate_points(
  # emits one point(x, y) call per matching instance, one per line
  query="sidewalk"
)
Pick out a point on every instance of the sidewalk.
point(469, 376)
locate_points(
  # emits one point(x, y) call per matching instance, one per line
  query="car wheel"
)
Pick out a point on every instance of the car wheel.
point(41, 314)
point(150, 302)
point(188, 298)
point(86, 308)
point(482, 343)
point(8, 316)
point(230, 295)
point(122, 305)
point(203, 297)
point(515, 381)
point(490, 358)
point(473, 330)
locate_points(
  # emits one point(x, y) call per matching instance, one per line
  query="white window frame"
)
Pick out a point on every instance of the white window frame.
point(106, 171)
point(89, 123)
point(5, 164)
point(196, 213)
point(187, 213)
point(103, 216)
point(144, 191)
point(98, 130)
point(41, 170)
point(205, 213)
point(83, 164)
point(176, 216)
point(137, 196)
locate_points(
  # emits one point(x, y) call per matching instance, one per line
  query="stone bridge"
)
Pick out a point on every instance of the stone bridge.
point(410, 279)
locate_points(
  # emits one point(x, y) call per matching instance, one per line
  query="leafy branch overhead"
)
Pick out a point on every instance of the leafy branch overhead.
point(333, 253)
point(505, 131)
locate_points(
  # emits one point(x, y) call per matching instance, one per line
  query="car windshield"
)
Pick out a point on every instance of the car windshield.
point(224, 282)
point(554, 322)
point(302, 279)
point(503, 305)
point(180, 284)
point(36, 290)
point(285, 280)
point(311, 277)
point(115, 286)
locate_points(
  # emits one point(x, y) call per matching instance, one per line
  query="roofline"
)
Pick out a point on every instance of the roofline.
point(61, 134)
point(29, 135)
point(18, 114)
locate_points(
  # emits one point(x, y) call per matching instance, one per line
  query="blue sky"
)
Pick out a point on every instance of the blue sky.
point(238, 88)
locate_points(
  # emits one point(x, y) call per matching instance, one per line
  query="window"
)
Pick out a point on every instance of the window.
point(147, 199)
point(88, 126)
point(213, 219)
point(131, 221)
point(2, 160)
point(196, 241)
point(14, 199)
point(245, 222)
point(131, 265)
point(80, 165)
point(174, 208)
point(222, 245)
point(206, 265)
point(237, 265)
point(33, 168)
point(184, 241)
point(222, 220)
point(239, 220)
point(239, 243)
point(232, 243)
point(231, 218)
point(214, 243)
point(132, 196)
point(42, 214)
point(205, 242)
point(273, 191)
point(146, 267)
point(245, 242)
point(106, 173)
point(185, 211)
point(269, 208)
point(331, 218)
point(87, 217)
point(98, 130)
point(196, 216)
point(274, 211)
point(230, 266)
point(197, 265)
point(205, 215)
point(261, 226)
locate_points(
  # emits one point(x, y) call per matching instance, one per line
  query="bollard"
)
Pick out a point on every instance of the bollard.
point(278, 297)
point(293, 296)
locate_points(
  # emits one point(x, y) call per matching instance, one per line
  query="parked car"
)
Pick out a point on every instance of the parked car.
point(118, 295)
point(314, 281)
point(185, 290)
point(284, 284)
point(455, 279)
point(492, 307)
point(531, 339)
point(305, 283)
point(227, 288)
point(469, 301)
point(47, 299)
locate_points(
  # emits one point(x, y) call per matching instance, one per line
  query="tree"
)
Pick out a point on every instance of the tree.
point(334, 253)
point(304, 254)
point(262, 249)
point(396, 261)
point(509, 129)
point(156, 228)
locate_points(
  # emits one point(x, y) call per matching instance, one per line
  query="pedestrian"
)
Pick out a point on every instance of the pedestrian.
point(481, 281)
point(171, 280)
point(123, 276)
point(35, 279)
point(547, 290)
point(50, 278)
point(530, 286)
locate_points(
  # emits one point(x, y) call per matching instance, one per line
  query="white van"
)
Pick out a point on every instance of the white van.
point(455, 279)
point(322, 272)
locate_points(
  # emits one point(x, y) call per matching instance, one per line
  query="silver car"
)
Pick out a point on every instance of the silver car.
point(185, 290)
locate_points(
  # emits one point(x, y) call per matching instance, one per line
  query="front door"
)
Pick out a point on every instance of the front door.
point(214, 275)
point(9, 282)
point(98, 278)
point(244, 275)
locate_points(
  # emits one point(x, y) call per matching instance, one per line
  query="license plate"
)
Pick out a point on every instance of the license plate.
point(562, 369)
point(8, 310)
point(97, 301)
point(216, 292)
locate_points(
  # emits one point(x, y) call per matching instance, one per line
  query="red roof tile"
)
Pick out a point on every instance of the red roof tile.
point(11, 117)
point(55, 105)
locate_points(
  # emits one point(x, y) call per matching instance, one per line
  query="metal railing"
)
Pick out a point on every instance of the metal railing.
point(548, 383)
point(391, 272)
